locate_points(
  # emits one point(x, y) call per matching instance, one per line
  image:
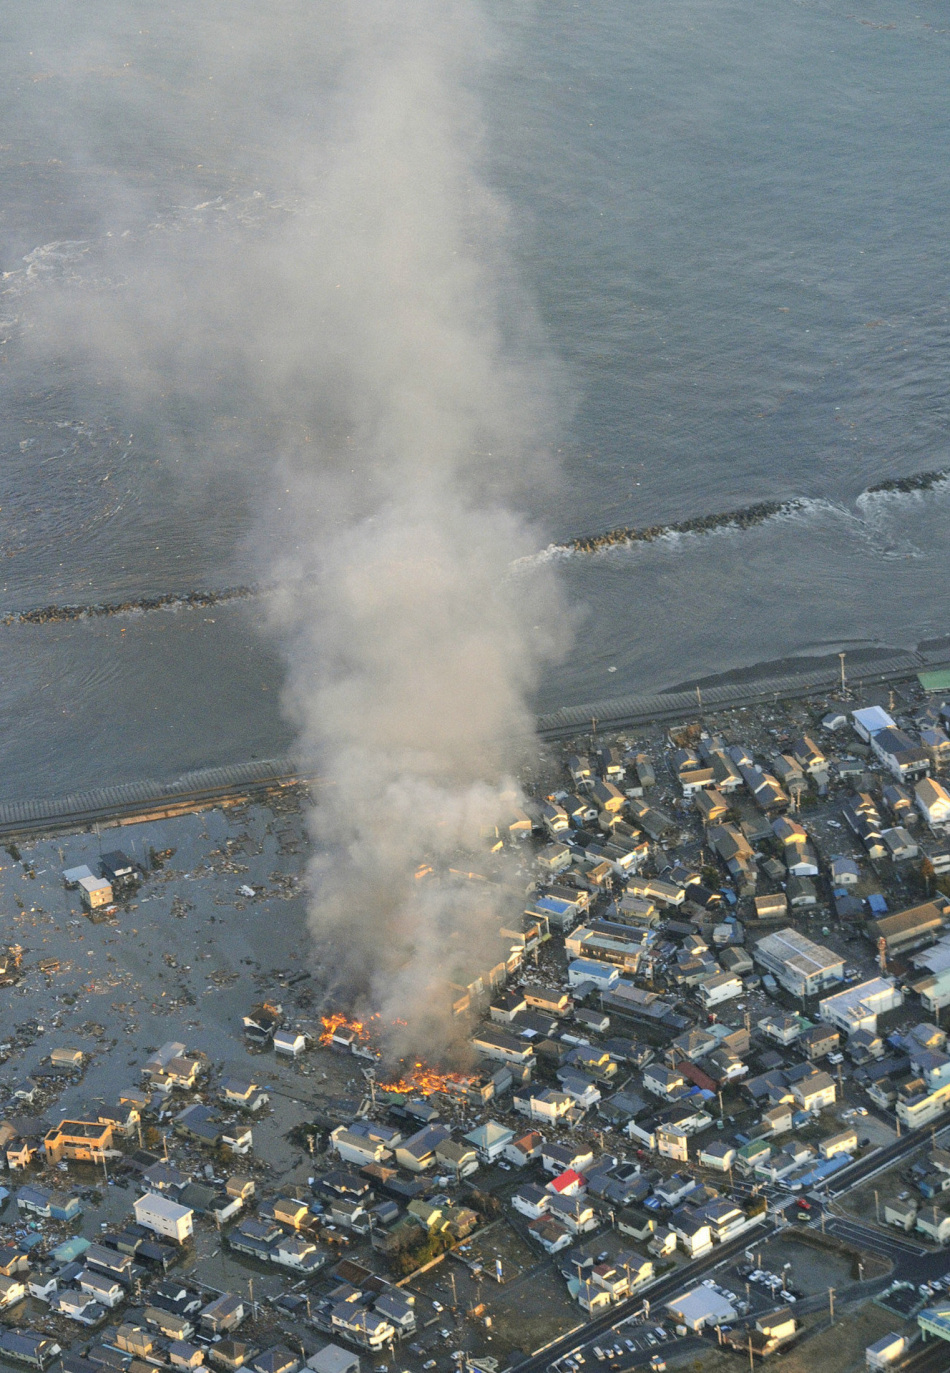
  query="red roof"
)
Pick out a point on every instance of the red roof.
point(568, 1179)
point(696, 1075)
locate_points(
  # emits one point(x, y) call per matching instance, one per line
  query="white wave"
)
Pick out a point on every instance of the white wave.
point(872, 503)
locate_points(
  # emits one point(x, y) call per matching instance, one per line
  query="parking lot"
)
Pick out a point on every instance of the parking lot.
point(637, 1343)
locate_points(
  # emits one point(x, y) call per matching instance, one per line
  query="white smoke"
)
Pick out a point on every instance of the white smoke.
point(412, 649)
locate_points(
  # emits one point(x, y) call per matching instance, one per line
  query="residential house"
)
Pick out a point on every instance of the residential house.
point(41, 1201)
point(105, 1290)
point(718, 1154)
point(902, 1213)
point(222, 1315)
point(904, 759)
point(417, 1153)
point(772, 906)
point(182, 1354)
point(933, 1220)
point(523, 1149)
point(246, 1095)
point(713, 991)
point(358, 1148)
point(532, 1201)
point(12, 1292)
point(844, 1142)
point(815, 1093)
point(818, 1041)
point(784, 1029)
point(933, 801)
point(575, 1213)
point(275, 1359)
point(461, 1160)
point(551, 1234)
point(490, 1140)
point(493, 1042)
point(909, 929)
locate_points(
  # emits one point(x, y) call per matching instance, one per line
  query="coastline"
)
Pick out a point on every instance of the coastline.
point(147, 799)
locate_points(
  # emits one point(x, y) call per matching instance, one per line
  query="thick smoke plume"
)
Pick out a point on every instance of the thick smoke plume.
point(362, 356)
point(412, 649)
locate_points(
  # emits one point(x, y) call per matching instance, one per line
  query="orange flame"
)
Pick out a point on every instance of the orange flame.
point(338, 1021)
point(421, 1080)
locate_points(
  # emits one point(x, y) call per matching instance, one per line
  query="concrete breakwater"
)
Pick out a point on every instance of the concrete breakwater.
point(743, 518)
point(172, 600)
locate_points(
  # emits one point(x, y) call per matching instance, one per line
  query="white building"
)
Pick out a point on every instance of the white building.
point(164, 1217)
point(933, 801)
point(358, 1148)
point(703, 1306)
point(887, 1351)
point(290, 1042)
point(870, 721)
point(718, 988)
point(858, 1008)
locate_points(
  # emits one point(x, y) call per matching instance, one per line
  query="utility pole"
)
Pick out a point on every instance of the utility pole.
point(699, 698)
point(877, 1207)
point(844, 684)
point(751, 1360)
point(831, 1304)
point(455, 1300)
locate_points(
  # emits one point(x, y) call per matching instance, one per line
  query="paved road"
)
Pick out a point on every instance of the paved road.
point(898, 1249)
point(932, 1357)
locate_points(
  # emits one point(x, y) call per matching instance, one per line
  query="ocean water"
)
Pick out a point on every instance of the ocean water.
point(732, 218)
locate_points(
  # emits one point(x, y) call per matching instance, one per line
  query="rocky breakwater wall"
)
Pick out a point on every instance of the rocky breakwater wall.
point(138, 605)
point(743, 518)
point(918, 481)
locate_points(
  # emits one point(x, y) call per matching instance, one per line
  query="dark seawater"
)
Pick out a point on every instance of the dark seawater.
point(733, 219)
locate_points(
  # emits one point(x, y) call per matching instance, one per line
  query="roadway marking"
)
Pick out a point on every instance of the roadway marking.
point(871, 1239)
